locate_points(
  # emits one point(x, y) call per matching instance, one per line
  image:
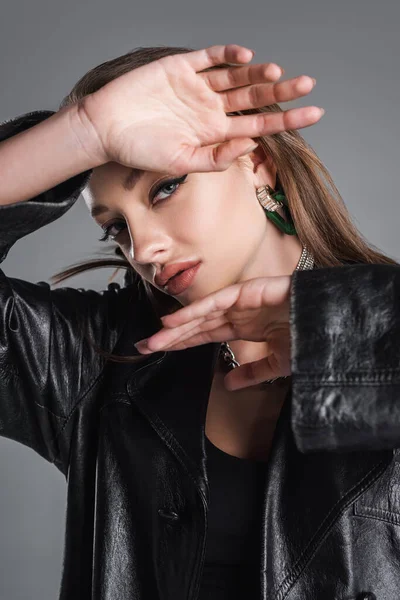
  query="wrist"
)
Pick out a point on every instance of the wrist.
point(87, 138)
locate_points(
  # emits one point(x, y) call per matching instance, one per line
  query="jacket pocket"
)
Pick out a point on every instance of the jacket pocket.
point(382, 500)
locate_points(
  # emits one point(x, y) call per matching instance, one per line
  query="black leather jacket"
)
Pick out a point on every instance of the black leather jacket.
point(130, 438)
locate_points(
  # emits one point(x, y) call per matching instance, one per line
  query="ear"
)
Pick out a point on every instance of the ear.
point(263, 167)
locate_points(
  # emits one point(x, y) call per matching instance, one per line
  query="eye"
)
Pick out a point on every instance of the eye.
point(108, 235)
point(164, 185)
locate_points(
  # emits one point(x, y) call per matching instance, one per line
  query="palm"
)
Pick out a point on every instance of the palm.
point(169, 115)
point(184, 105)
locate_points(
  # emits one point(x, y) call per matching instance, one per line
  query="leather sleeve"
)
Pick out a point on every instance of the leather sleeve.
point(46, 363)
point(345, 332)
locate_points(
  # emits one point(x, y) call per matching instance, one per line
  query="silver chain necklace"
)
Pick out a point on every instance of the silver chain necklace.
point(306, 262)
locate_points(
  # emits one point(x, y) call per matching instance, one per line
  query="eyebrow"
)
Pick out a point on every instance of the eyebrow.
point(128, 184)
point(131, 180)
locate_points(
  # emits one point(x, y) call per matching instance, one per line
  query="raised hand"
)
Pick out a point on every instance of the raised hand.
point(255, 310)
point(169, 116)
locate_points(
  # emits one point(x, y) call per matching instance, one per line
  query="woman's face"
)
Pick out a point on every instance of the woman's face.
point(212, 218)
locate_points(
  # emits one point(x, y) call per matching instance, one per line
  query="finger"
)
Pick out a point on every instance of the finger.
point(211, 304)
point(269, 123)
point(215, 55)
point(165, 338)
point(168, 322)
point(233, 77)
point(255, 96)
point(253, 373)
point(214, 158)
point(219, 334)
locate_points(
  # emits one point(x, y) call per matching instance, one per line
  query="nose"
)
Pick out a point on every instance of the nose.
point(148, 242)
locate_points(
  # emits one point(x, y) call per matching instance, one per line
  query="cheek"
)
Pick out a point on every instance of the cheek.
point(229, 211)
point(124, 243)
point(234, 226)
point(208, 212)
point(125, 249)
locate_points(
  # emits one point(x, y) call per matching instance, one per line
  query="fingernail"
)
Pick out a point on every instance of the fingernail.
point(250, 149)
point(142, 346)
point(314, 80)
point(322, 111)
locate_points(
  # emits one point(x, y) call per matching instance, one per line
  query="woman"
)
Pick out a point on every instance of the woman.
point(191, 473)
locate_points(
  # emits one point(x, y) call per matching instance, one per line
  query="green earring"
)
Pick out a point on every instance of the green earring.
point(271, 201)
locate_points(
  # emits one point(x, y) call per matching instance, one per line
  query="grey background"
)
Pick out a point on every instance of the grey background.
point(351, 47)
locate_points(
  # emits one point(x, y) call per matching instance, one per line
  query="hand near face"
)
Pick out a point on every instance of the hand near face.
point(255, 310)
point(169, 116)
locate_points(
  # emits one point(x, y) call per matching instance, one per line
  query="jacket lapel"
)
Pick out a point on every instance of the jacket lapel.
point(171, 389)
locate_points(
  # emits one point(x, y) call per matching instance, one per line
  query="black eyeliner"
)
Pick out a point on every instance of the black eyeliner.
point(106, 236)
point(164, 183)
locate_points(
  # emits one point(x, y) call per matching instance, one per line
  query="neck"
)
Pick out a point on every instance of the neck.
point(247, 351)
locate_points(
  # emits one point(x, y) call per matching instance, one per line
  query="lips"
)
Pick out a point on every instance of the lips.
point(181, 281)
point(172, 270)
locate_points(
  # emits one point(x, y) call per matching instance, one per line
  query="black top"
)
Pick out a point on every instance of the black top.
point(233, 549)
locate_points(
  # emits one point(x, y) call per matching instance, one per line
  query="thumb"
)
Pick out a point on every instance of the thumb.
point(253, 373)
point(220, 157)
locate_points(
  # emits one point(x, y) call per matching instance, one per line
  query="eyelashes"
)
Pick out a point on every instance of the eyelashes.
point(164, 184)
point(107, 235)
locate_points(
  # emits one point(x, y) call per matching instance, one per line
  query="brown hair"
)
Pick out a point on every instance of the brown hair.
point(322, 221)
